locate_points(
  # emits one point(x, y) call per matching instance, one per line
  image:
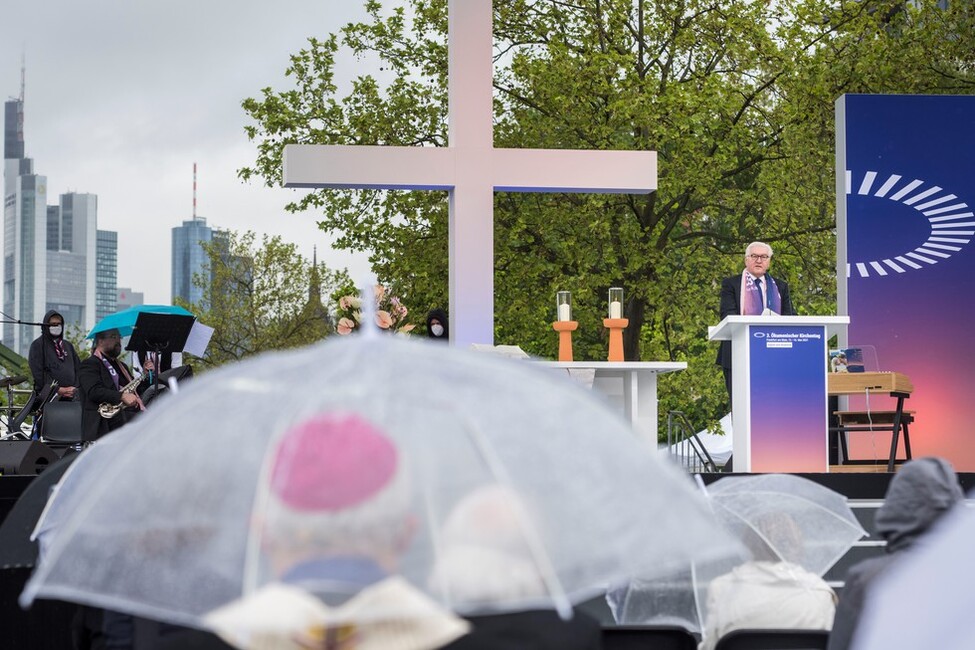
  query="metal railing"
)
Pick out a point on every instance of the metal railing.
point(685, 447)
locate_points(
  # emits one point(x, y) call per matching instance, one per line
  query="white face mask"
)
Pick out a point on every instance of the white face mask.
point(436, 329)
point(56, 330)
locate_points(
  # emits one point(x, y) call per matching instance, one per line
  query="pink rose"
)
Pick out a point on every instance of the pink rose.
point(345, 302)
point(345, 326)
point(380, 292)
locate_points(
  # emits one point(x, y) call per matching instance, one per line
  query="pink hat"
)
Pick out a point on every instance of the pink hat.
point(332, 462)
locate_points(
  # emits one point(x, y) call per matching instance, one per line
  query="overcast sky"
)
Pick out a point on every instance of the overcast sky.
point(123, 97)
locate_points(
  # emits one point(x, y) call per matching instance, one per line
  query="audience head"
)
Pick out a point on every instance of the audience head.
point(920, 493)
point(338, 487)
point(485, 551)
point(775, 537)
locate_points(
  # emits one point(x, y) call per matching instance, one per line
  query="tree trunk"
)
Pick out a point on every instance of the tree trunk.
point(635, 310)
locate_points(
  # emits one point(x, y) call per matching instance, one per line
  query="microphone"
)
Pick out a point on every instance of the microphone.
point(21, 322)
point(16, 321)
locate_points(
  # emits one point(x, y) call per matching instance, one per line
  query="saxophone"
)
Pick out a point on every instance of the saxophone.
point(109, 411)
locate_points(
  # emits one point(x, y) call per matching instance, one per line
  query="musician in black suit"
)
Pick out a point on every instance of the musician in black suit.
point(101, 378)
point(753, 293)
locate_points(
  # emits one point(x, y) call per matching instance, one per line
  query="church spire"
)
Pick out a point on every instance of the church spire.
point(314, 309)
point(315, 285)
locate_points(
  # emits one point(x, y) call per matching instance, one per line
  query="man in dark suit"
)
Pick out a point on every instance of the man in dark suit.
point(752, 293)
point(102, 378)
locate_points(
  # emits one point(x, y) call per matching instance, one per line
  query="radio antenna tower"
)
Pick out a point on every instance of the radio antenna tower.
point(194, 191)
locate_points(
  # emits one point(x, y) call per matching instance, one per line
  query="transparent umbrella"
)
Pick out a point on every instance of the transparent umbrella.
point(185, 510)
point(779, 518)
point(782, 517)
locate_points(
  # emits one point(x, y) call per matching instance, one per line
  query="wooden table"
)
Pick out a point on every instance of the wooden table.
point(896, 385)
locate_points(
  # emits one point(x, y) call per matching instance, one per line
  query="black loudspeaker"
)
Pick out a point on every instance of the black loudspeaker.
point(25, 457)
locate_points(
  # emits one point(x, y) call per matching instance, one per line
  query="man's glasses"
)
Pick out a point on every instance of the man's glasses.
point(759, 258)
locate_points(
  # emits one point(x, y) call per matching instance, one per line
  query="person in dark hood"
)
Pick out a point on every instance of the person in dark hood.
point(921, 492)
point(52, 358)
point(437, 325)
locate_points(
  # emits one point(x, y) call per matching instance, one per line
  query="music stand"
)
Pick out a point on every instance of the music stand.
point(160, 333)
point(47, 395)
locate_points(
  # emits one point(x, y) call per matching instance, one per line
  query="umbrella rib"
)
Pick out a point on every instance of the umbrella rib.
point(562, 604)
point(252, 549)
point(751, 527)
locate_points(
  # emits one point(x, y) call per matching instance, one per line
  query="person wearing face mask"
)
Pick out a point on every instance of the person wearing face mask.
point(437, 325)
point(51, 358)
point(101, 378)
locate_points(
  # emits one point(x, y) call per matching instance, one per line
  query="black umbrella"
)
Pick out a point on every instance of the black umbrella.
point(16, 548)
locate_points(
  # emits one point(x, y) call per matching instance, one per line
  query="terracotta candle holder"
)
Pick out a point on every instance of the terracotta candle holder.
point(616, 327)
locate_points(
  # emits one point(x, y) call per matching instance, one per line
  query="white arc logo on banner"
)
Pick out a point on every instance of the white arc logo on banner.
point(950, 221)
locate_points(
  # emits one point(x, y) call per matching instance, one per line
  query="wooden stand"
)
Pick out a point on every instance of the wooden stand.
point(616, 327)
point(565, 329)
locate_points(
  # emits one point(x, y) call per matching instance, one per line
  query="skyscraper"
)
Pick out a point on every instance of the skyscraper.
point(189, 258)
point(13, 129)
point(71, 259)
point(25, 233)
point(106, 273)
point(48, 251)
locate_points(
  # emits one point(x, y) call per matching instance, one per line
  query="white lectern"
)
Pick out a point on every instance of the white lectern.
point(779, 370)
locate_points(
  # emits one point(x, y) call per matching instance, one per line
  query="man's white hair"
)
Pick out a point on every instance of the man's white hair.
point(748, 249)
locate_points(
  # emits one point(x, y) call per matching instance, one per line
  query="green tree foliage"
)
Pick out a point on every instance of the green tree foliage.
point(735, 96)
point(76, 337)
point(261, 296)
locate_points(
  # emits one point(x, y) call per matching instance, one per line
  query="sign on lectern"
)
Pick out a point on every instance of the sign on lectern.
point(779, 414)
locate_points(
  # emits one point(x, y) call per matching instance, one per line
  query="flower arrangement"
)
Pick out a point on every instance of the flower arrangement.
point(390, 313)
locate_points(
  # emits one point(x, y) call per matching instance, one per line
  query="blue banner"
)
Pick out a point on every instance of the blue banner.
point(906, 201)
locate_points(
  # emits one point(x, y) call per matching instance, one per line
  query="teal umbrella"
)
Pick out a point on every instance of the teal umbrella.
point(124, 321)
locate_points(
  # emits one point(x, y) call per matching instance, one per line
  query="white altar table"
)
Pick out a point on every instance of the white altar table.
point(630, 386)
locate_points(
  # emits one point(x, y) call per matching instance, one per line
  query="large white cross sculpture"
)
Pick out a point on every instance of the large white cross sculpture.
point(470, 169)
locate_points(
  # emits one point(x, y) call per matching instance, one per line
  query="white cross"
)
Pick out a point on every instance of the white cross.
point(470, 169)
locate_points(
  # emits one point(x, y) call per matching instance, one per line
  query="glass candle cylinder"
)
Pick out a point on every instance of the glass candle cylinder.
point(616, 302)
point(563, 305)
